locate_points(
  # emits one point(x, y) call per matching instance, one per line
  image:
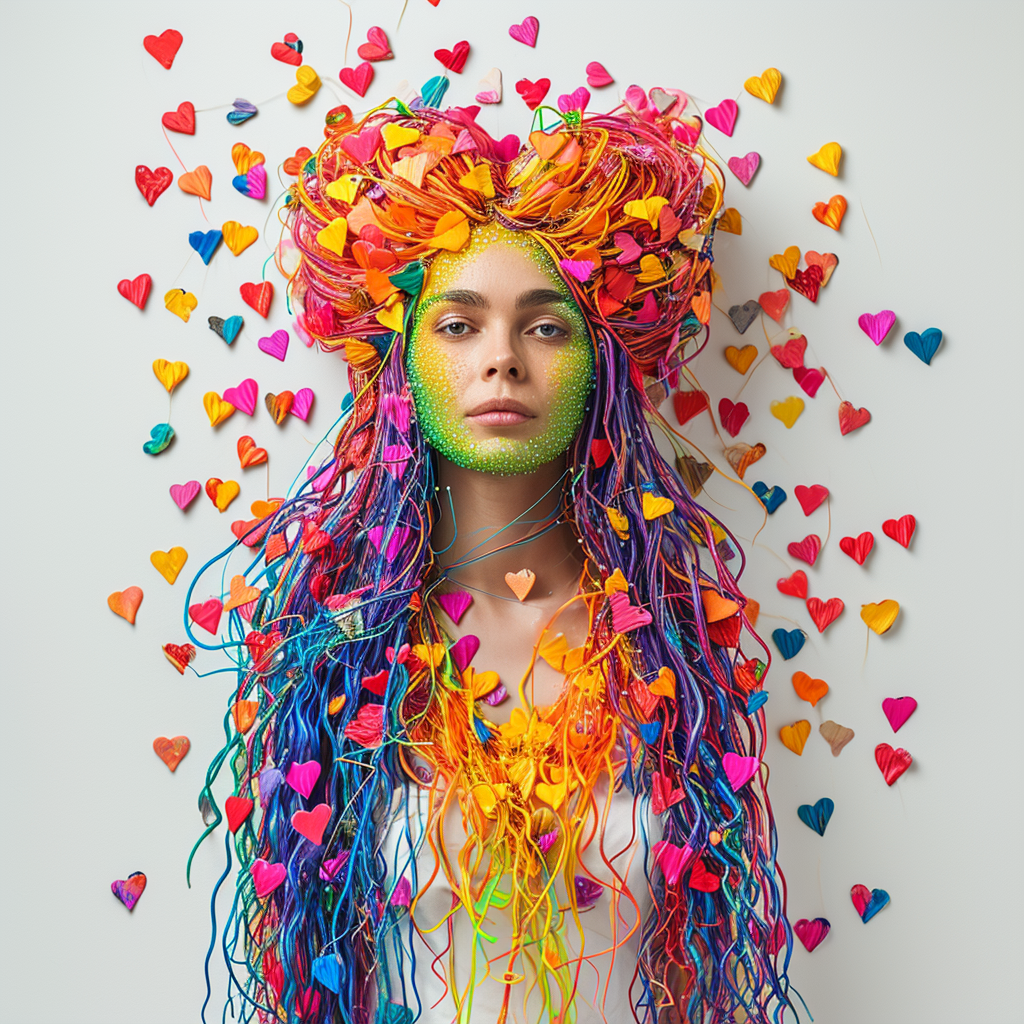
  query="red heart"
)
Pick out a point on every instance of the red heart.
point(688, 404)
point(618, 283)
point(533, 92)
point(702, 879)
point(600, 451)
point(311, 824)
point(207, 614)
point(163, 47)
point(136, 290)
point(774, 303)
point(285, 54)
point(377, 47)
point(795, 585)
point(179, 655)
point(362, 147)
point(900, 530)
point(791, 355)
point(171, 751)
point(258, 296)
point(663, 796)
point(810, 497)
point(807, 549)
point(893, 763)
point(152, 184)
point(811, 933)
point(824, 613)
point(455, 58)
point(181, 120)
point(809, 379)
point(807, 282)
point(294, 164)
point(726, 632)
point(250, 531)
point(358, 79)
point(733, 416)
point(851, 419)
point(237, 809)
point(858, 549)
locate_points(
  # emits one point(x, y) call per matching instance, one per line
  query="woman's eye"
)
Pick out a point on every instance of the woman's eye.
point(455, 330)
point(550, 331)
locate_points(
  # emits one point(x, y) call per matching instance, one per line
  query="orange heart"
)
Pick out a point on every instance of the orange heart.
point(831, 214)
point(740, 358)
point(742, 456)
point(238, 237)
point(717, 607)
point(262, 509)
point(828, 261)
point(665, 684)
point(836, 735)
point(730, 221)
point(249, 454)
point(125, 603)
point(222, 492)
point(197, 182)
point(451, 231)
point(521, 583)
point(171, 751)
point(244, 714)
point(880, 617)
point(548, 146)
point(808, 689)
point(243, 157)
point(795, 736)
point(280, 405)
point(701, 305)
point(240, 594)
point(169, 563)
point(786, 262)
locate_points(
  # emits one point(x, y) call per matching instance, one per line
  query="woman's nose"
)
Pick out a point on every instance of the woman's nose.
point(502, 360)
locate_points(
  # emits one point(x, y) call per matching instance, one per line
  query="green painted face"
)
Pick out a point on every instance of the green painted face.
point(495, 320)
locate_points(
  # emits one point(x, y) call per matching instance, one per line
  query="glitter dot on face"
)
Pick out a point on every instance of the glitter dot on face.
point(474, 340)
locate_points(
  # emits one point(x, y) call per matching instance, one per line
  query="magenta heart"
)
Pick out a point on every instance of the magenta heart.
point(463, 650)
point(744, 167)
point(739, 770)
point(266, 876)
point(399, 536)
point(184, 494)
point(688, 133)
point(507, 148)
point(575, 100)
point(207, 614)
point(898, 710)
point(636, 98)
point(597, 75)
point(723, 117)
point(628, 244)
point(396, 407)
point(580, 269)
point(465, 142)
point(362, 147)
point(330, 867)
point(396, 457)
point(302, 776)
point(130, 889)
point(672, 859)
point(526, 32)
point(302, 403)
point(811, 933)
point(626, 616)
point(276, 345)
point(321, 477)
point(244, 396)
point(311, 824)
point(455, 604)
point(256, 182)
point(877, 325)
point(809, 379)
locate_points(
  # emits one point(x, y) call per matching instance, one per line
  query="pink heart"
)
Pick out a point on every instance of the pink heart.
point(207, 614)
point(636, 98)
point(362, 147)
point(244, 396)
point(723, 117)
point(256, 182)
point(575, 100)
point(266, 876)
point(739, 770)
point(898, 710)
point(688, 133)
point(377, 46)
point(455, 604)
point(648, 312)
point(321, 477)
point(628, 244)
point(399, 536)
point(302, 776)
point(302, 403)
point(860, 895)
point(402, 896)
point(810, 933)
point(507, 148)
point(526, 32)
point(877, 325)
point(396, 408)
point(276, 345)
point(487, 96)
point(330, 867)
point(396, 457)
point(809, 379)
point(311, 824)
point(672, 859)
point(580, 269)
point(626, 616)
point(597, 76)
point(463, 650)
point(357, 79)
point(184, 494)
point(744, 167)
point(129, 890)
point(810, 497)
point(791, 355)
point(465, 142)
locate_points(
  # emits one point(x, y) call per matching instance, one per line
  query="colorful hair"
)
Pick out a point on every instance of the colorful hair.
point(347, 574)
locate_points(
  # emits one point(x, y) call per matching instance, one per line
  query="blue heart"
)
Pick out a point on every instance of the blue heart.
point(327, 971)
point(231, 327)
point(434, 90)
point(789, 643)
point(649, 732)
point(879, 899)
point(240, 116)
point(347, 402)
point(817, 817)
point(241, 182)
point(756, 700)
point(771, 499)
point(205, 244)
point(163, 435)
point(923, 345)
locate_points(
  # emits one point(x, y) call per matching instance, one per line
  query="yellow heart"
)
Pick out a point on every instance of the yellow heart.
point(240, 593)
point(392, 316)
point(333, 236)
point(786, 263)
point(880, 617)
point(765, 85)
point(645, 209)
point(236, 237)
point(551, 794)
point(650, 269)
point(795, 736)
point(616, 583)
point(620, 524)
point(478, 179)
point(827, 158)
point(411, 168)
point(432, 655)
point(788, 411)
point(243, 157)
point(216, 408)
point(307, 82)
point(656, 505)
point(180, 302)
point(486, 798)
point(740, 358)
point(555, 650)
point(169, 563)
point(344, 188)
point(451, 231)
point(227, 491)
point(395, 135)
point(665, 684)
point(170, 374)
point(730, 221)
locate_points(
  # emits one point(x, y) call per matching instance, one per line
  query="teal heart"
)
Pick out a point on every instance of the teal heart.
point(327, 971)
point(879, 899)
point(925, 344)
point(756, 700)
point(347, 402)
point(409, 278)
point(226, 329)
point(770, 498)
point(817, 816)
point(205, 244)
point(789, 643)
point(162, 435)
point(433, 91)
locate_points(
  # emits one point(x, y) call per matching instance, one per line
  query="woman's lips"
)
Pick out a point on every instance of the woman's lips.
point(500, 412)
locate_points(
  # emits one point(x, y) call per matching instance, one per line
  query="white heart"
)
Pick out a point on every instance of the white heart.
point(405, 92)
point(490, 87)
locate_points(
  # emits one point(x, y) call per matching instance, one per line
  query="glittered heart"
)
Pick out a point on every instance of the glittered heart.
point(130, 889)
point(275, 345)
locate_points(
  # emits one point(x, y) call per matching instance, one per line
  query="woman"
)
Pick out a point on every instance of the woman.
point(493, 704)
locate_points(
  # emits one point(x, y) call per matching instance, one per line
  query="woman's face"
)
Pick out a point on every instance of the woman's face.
point(499, 359)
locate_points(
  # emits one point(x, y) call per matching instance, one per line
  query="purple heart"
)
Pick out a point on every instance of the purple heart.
point(244, 396)
point(184, 494)
point(455, 604)
point(496, 696)
point(463, 650)
point(276, 345)
point(744, 167)
point(877, 325)
point(269, 780)
point(302, 403)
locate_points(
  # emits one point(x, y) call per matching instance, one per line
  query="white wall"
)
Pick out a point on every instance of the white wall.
point(922, 98)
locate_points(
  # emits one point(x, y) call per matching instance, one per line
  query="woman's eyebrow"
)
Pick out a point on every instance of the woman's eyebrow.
point(539, 297)
point(463, 297)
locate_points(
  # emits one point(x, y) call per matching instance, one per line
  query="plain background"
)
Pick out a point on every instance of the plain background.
point(923, 99)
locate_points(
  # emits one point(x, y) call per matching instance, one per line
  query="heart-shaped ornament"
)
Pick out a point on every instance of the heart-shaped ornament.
point(526, 31)
point(490, 87)
point(182, 120)
point(152, 184)
point(241, 111)
point(288, 54)
point(897, 710)
point(237, 809)
point(789, 642)
point(160, 437)
point(788, 411)
point(811, 933)
point(811, 497)
point(248, 454)
point(892, 763)
point(868, 902)
point(740, 359)
point(807, 549)
point(455, 58)
point(851, 419)
point(774, 303)
point(732, 415)
point(226, 329)
point(858, 548)
point(129, 890)
point(136, 290)
point(171, 751)
point(791, 353)
point(742, 456)
point(238, 237)
point(771, 498)
point(312, 824)
point(739, 770)
point(925, 344)
point(794, 736)
point(786, 262)
point(205, 243)
point(207, 614)
point(267, 877)
point(377, 47)
point(533, 93)
point(831, 213)
point(275, 345)
point(793, 586)
point(243, 396)
point(880, 617)
point(817, 816)
point(197, 183)
point(723, 117)
point(809, 689)
point(835, 735)
point(184, 494)
point(745, 167)
point(358, 79)
point(765, 86)
point(900, 530)
point(307, 84)
point(809, 378)
point(169, 563)
point(807, 282)
point(824, 613)
point(521, 583)
point(180, 303)
point(597, 75)
point(163, 48)
point(125, 603)
point(259, 296)
point(827, 158)
point(826, 261)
